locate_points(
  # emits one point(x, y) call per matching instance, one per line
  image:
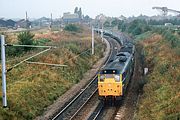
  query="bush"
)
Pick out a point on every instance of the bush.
point(26, 38)
point(74, 48)
point(177, 51)
point(163, 68)
point(136, 27)
point(169, 36)
point(137, 31)
point(72, 28)
point(41, 41)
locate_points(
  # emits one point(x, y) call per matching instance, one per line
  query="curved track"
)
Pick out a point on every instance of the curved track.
point(79, 101)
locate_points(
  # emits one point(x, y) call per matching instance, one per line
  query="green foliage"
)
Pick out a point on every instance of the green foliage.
point(122, 26)
point(160, 99)
point(107, 24)
point(42, 41)
point(162, 22)
point(177, 51)
point(136, 27)
point(178, 32)
point(36, 86)
point(26, 38)
point(163, 68)
point(143, 36)
point(172, 117)
point(73, 47)
point(115, 23)
point(137, 31)
point(169, 36)
point(72, 28)
point(13, 51)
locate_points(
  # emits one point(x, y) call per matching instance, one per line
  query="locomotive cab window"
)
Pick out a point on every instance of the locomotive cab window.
point(109, 72)
point(123, 76)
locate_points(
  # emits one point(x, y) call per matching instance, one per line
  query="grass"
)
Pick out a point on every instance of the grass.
point(31, 88)
point(143, 36)
point(161, 98)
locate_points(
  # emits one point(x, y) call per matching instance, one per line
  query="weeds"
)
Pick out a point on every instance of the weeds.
point(31, 88)
point(161, 94)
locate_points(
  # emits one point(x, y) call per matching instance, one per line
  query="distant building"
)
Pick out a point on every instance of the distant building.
point(2, 23)
point(7, 23)
point(42, 22)
point(168, 24)
point(23, 24)
point(71, 18)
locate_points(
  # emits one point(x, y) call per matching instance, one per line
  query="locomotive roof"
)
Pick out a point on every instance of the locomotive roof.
point(117, 64)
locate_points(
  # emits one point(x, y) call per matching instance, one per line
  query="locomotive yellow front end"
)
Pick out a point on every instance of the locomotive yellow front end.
point(110, 84)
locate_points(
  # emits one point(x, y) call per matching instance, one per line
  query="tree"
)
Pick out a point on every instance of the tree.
point(137, 31)
point(76, 10)
point(114, 22)
point(80, 13)
point(107, 24)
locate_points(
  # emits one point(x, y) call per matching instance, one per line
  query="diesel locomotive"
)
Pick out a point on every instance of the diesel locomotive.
point(114, 77)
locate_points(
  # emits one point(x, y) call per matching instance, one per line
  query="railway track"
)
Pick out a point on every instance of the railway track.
point(95, 115)
point(75, 105)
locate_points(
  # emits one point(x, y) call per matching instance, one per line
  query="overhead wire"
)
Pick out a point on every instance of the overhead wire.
point(49, 47)
point(27, 59)
point(79, 54)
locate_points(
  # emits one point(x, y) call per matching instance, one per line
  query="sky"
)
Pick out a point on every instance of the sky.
point(112, 8)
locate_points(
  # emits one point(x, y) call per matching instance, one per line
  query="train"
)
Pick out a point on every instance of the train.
point(114, 77)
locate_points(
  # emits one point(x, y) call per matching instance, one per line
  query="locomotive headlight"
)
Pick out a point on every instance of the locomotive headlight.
point(117, 78)
point(102, 77)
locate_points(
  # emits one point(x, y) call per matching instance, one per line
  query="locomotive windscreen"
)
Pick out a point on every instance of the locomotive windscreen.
point(112, 71)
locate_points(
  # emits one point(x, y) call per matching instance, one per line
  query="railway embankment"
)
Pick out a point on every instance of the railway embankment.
point(160, 98)
point(73, 91)
point(32, 88)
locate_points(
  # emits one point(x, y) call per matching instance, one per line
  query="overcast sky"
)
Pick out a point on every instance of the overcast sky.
point(40, 8)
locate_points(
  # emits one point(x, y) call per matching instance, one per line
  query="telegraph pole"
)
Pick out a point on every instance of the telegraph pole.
point(102, 32)
point(26, 16)
point(92, 40)
point(3, 71)
point(50, 26)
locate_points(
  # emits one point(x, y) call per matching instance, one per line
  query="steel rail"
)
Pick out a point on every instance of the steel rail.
point(96, 88)
point(84, 104)
point(72, 101)
point(98, 112)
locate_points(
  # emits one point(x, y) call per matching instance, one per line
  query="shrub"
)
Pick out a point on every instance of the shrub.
point(42, 41)
point(177, 51)
point(74, 48)
point(136, 27)
point(169, 36)
point(137, 31)
point(163, 68)
point(72, 28)
point(26, 38)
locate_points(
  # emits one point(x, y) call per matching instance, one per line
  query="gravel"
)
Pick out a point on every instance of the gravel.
point(129, 105)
